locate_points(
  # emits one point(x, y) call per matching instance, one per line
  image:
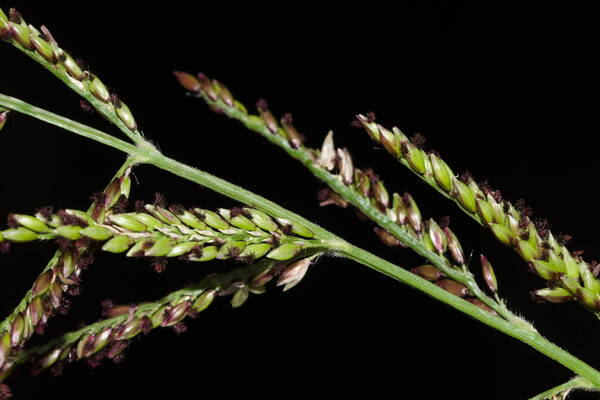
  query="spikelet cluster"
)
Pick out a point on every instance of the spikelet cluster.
point(568, 275)
point(41, 45)
point(107, 339)
point(196, 234)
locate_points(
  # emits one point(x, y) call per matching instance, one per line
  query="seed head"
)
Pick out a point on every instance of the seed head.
point(553, 295)
point(413, 214)
point(224, 93)
point(188, 81)
point(72, 67)
point(345, 166)
point(47, 35)
point(293, 273)
point(328, 153)
point(441, 172)
point(503, 234)
point(207, 87)
point(125, 115)
point(294, 138)
point(387, 238)
point(98, 89)
point(429, 272)
point(454, 246)
point(43, 48)
point(453, 287)
point(437, 237)
point(368, 123)
point(390, 141)
point(416, 157)
point(267, 116)
point(380, 194)
point(488, 274)
point(240, 297)
point(204, 300)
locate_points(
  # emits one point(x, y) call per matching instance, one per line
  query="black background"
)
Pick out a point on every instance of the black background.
point(506, 91)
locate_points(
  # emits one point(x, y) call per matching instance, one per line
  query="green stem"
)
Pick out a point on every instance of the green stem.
point(152, 156)
point(575, 383)
point(532, 338)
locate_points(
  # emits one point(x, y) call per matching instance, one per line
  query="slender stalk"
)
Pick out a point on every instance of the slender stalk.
point(152, 156)
point(564, 389)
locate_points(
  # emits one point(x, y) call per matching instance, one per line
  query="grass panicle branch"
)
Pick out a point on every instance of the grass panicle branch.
point(41, 46)
point(569, 277)
point(108, 338)
point(241, 234)
point(61, 276)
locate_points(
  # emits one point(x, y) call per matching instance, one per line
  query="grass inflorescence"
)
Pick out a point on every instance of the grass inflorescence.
point(270, 241)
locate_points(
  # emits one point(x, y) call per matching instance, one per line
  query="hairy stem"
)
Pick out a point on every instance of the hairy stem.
point(152, 156)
